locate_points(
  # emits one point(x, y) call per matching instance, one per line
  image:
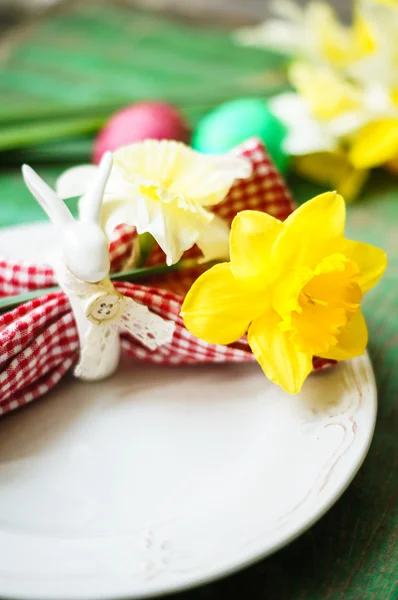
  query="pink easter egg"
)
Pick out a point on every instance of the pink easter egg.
point(141, 121)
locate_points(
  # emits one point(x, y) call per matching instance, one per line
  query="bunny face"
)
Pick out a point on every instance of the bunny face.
point(83, 244)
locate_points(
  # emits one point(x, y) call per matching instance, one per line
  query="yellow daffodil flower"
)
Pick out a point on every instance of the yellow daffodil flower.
point(311, 32)
point(319, 154)
point(345, 108)
point(165, 188)
point(341, 107)
point(363, 121)
point(295, 288)
point(336, 129)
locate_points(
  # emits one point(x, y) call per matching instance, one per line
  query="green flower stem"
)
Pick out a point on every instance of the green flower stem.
point(147, 242)
point(11, 302)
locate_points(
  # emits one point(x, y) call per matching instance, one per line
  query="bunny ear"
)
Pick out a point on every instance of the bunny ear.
point(47, 198)
point(91, 203)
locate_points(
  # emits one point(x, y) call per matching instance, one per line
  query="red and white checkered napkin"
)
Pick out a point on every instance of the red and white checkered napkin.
point(39, 341)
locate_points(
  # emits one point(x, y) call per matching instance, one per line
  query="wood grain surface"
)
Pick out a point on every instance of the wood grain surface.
point(352, 553)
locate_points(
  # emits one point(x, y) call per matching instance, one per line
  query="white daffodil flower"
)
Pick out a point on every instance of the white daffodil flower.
point(164, 188)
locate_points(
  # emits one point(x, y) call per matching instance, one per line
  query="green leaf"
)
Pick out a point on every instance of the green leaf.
point(78, 66)
point(17, 204)
point(20, 134)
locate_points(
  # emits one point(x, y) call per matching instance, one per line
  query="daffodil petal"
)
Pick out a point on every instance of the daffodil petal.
point(336, 42)
point(275, 34)
point(179, 232)
point(253, 234)
point(217, 308)
point(155, 160)
point(370, 260)
point(280, 360)
point(113, 213)
point(76, 181)
point(375, 144)
point(322, 167)
point(184, 171)
point(363, 31)
point(208, 178)
point(325, 212)
point(348, 122)
point(351, 183)
point(308, 231)
point(352, 341)
point(175, 231)
point(327, 94)
point(213, 239)
point(332, 169)
point(143, 213)
point(305, 134)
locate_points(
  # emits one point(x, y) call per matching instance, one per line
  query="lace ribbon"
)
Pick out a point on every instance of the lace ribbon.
point(101, 314)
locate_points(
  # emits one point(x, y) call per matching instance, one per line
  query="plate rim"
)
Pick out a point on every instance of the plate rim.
point(253, 556)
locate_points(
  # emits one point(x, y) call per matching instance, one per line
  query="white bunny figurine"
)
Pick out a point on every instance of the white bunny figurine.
point(82, 270)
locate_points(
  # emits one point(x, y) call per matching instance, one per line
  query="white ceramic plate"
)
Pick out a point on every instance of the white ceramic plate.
point(162, 478)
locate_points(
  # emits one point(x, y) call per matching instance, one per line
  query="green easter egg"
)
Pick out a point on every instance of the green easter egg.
point(234, 122)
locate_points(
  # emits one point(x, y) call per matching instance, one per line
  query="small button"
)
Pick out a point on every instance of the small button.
point(105, 307)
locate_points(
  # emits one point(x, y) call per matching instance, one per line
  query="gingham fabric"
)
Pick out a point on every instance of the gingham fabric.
point(39, 341)
point(17, 277)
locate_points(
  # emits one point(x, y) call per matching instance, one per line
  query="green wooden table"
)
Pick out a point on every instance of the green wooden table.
point(352, 552)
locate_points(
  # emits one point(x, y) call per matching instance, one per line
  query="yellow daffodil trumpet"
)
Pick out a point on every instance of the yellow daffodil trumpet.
point(295, 287)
